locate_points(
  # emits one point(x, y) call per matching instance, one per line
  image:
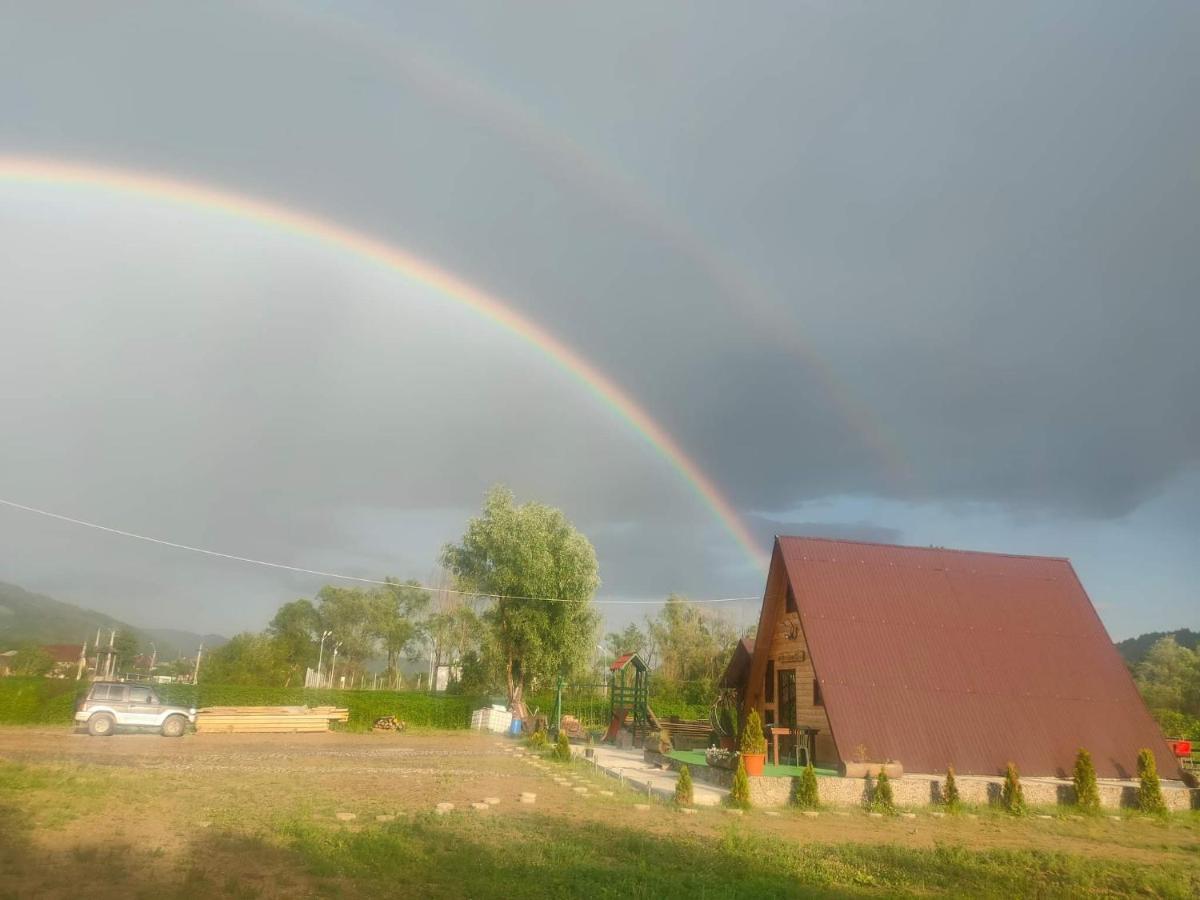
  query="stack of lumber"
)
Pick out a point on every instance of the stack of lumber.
point(253, 719)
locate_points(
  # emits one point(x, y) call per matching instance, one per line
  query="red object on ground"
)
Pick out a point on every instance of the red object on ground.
point(614, 727)
point(1181, 748)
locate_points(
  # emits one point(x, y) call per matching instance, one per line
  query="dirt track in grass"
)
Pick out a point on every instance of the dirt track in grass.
point(212, 813)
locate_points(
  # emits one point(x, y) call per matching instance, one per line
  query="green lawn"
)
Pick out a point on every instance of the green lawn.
point(696, 758)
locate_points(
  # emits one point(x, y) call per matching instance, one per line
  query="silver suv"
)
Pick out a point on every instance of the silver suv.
point(111, 704)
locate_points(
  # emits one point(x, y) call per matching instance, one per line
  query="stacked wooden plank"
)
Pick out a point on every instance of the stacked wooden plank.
point(267, 719)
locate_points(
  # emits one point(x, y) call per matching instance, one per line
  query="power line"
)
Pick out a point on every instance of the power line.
point(274, 565)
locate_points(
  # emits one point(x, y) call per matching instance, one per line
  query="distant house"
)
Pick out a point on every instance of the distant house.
point(65, 658)
point(6, 662)
point(934, 657)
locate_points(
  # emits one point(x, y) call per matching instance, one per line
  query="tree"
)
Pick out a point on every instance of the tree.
point(753, 740)
point(1087, 793)
point(31, 659)
point(296, 629)
point(684, 792)
point(1169, 677)
point(950, 790)
point(395, 611)
point(1150, 798)
point(1012, 795)
point(126, 647)
point(805, 793)
point(543, 573)
point(347, 612)
point(629, 640)
point(739, 791)
point(690, 647)
point(562, 748)
point(247, 659)
point(882, 799)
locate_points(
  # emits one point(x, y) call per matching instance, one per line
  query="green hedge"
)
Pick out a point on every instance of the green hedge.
point(45, 701)
point(38, 701)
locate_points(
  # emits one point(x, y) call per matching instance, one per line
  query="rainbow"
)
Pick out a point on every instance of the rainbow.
point(610, 185)
point(30, 170)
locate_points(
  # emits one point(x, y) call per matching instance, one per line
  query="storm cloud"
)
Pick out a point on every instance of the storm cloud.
point(928, 254)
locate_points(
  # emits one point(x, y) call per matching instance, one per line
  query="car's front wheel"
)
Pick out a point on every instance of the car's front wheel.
point(101, 725)
point(174, 726)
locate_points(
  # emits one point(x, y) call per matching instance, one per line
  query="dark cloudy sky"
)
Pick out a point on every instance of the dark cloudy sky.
point(915, 272)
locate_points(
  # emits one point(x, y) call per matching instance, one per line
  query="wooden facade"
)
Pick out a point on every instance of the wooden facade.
point(782, 684)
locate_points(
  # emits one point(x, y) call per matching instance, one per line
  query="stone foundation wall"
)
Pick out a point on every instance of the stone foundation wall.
point(925, 790)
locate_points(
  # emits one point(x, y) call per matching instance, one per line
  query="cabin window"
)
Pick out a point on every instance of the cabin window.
point(791, 601)
point(818, 700)
point(769, 686)
point(787, 698)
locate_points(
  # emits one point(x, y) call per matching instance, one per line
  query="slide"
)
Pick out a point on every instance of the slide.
point(614, 727)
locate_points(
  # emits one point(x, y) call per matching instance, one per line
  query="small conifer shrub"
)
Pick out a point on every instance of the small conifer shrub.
point(684, 794)
point(1150, 798)
point(950, 791)
point(881, 798)
point(562, 749)
point(804, 791)
point(1012, 797)
point(753, 740)
point(739, 792)
point(1087, 793)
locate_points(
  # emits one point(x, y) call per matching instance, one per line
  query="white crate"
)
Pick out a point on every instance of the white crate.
point(497, 720)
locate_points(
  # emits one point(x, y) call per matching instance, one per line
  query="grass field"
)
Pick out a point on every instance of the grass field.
point(256, 816)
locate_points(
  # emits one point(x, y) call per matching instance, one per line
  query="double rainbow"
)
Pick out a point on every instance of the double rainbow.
point(330, 233)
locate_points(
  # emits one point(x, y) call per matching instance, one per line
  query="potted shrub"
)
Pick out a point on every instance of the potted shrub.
point(754, 745)
point(727, 722)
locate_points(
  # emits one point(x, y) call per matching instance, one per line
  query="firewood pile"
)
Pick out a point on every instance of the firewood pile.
point(268, 719)
point(389, 723)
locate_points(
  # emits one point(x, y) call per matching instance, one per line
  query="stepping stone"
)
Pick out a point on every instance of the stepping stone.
point(442, 808)
point(1114, 818)
point(527, 800)
point(1044, 817)
point(204, 824)
point(914, 815)
point(480, 806)
point(580, 790)
point(528, 795)
point(736, 812)
point(770, 812)
point(842, 813)
point(605, 793)
point(938, 815)
point(491, 801)
point(972, 816)
point(345, 817)
point(641, 806)
point(812, 813)
point(875, 815)
point(385, 818)
point(688, 810)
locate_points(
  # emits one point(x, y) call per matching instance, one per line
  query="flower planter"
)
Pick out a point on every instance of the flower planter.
point(754, 762)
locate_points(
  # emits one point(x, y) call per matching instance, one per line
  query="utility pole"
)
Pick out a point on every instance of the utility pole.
point(321, 656)
point(112, 636)
point(82, 660)
point(196, 671)
point(333, 665)
point(153, 657)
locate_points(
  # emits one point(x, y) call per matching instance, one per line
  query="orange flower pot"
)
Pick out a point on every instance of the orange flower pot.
point(754, 762)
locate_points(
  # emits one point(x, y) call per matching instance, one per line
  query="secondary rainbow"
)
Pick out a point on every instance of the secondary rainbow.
point(313, 227)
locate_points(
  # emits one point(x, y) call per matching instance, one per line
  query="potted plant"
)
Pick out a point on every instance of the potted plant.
point(754, 745)
point(727, 725)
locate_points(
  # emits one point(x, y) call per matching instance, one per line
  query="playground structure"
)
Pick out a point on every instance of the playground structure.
point(629, 700)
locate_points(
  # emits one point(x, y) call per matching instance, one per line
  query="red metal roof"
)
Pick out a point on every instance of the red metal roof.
point(63, 653)
point(937, 657)
point(622, 661)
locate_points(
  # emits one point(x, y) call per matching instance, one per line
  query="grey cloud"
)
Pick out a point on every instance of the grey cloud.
point(938, 254)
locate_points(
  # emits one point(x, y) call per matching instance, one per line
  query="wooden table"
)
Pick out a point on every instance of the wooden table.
point(775, 734)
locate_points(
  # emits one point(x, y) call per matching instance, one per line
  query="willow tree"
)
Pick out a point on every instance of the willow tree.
point(542, 574)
